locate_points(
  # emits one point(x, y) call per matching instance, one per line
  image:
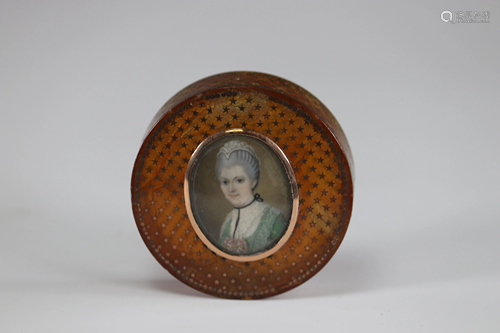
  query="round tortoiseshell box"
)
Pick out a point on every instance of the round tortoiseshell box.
point(243, 186)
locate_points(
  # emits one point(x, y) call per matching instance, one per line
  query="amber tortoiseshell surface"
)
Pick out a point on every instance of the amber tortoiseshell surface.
point(307, 134)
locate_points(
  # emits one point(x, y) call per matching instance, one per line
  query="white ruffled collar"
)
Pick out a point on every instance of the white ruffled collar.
point(250, 218)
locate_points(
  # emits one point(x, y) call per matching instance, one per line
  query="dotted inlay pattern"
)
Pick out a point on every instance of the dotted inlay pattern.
point(320, 169)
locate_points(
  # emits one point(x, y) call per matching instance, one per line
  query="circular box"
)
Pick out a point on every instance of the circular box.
point(243, 186)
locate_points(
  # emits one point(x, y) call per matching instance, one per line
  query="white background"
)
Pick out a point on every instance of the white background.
point(418, 99)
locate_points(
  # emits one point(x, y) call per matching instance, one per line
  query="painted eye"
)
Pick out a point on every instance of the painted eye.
point(240, 180)
point(224, 182)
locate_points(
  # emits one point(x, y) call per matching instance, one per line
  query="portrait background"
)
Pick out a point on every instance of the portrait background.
point(208, 203)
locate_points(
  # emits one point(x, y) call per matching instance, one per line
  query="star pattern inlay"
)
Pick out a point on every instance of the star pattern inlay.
point(165, 225)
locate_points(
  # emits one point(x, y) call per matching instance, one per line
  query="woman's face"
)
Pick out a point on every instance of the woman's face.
point(237, 185)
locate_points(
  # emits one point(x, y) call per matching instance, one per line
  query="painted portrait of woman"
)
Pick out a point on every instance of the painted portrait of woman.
point(252, 225)
point(239, 195)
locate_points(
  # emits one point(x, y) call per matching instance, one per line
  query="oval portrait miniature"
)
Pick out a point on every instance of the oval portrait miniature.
point(240, 194)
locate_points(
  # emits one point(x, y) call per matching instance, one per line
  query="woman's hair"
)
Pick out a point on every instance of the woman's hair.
point(238, 153)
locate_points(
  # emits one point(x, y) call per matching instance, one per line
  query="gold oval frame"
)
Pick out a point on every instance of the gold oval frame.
point(293, 189)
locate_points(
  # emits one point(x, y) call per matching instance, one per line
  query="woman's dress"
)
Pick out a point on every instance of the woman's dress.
point(260, 226)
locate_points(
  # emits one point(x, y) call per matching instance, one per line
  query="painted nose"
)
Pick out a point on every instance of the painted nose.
point(231, 187)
